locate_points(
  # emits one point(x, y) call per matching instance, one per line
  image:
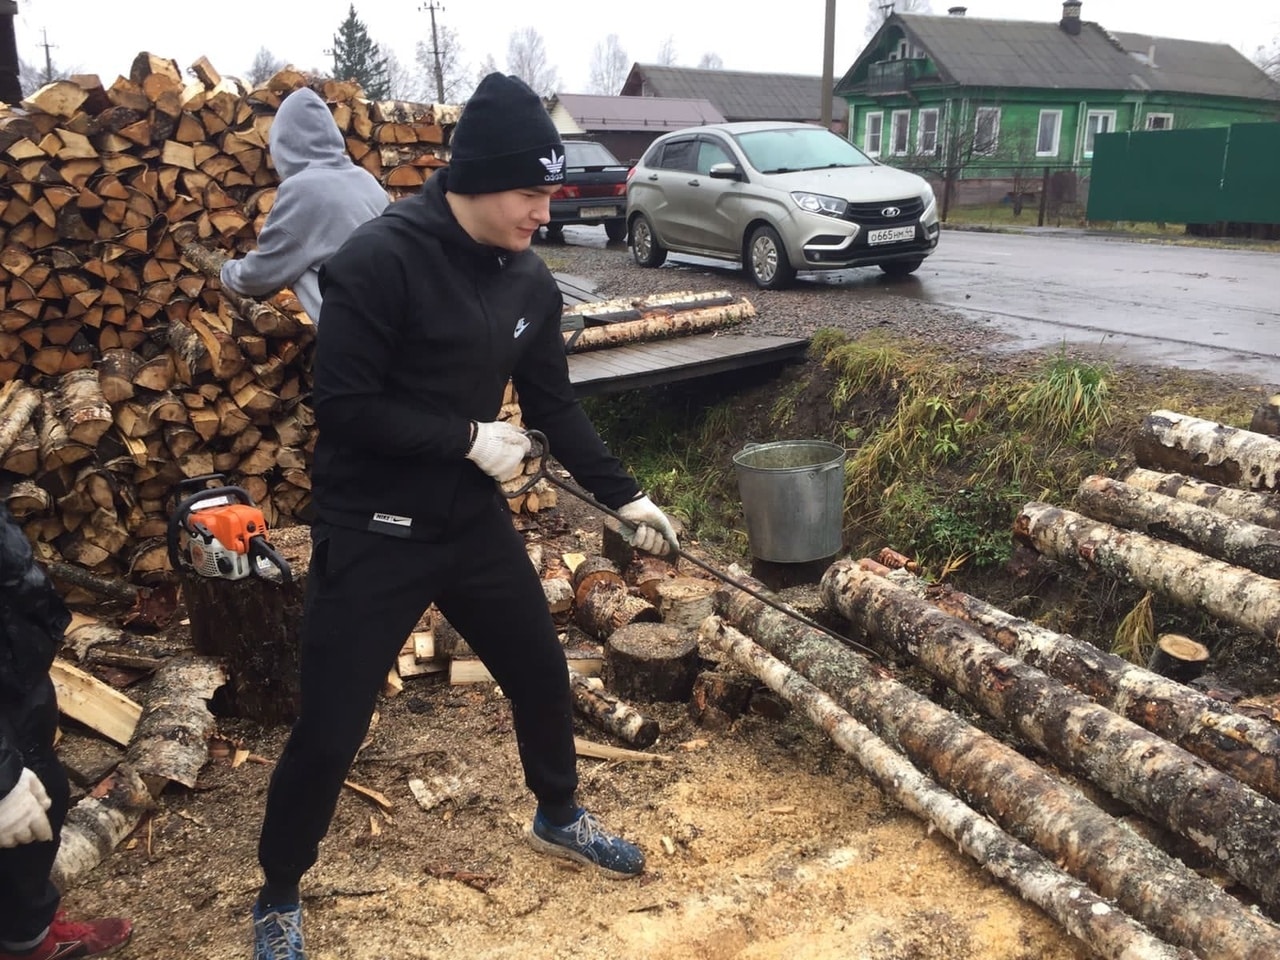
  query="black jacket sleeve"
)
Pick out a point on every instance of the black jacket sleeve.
point(362, 319)
point(11, 762)
point(548, 403)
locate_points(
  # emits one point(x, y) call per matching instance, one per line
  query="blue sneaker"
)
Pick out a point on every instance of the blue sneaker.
point(585, 841)
point(277, 934)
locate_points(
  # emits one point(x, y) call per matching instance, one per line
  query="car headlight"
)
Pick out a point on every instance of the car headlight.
point(928, 199)
point(819, 203)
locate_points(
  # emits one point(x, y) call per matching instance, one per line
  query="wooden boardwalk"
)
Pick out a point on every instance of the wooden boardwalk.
point(637, 365)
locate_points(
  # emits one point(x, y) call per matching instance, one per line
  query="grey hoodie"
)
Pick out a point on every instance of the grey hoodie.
point(322, 198)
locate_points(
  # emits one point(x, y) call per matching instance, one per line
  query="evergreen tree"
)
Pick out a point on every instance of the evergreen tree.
point(356, 57)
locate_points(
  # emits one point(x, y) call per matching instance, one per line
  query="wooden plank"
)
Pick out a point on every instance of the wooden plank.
point(471, 670)
point(603, 751)
point(649, 364)
point(86, 699)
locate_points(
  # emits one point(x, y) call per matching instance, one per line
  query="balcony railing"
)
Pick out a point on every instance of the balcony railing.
point(893, 76)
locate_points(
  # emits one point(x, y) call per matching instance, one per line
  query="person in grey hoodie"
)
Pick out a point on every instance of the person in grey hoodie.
point(322, 198)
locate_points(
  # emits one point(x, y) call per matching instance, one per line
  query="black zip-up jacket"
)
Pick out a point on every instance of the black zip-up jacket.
point(422, 329)
point(32, 620)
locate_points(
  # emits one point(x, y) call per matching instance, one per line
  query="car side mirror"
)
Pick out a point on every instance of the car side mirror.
point(725, 171)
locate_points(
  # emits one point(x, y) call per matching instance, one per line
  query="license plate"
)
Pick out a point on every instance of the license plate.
point(890, 235)
point(598, 212)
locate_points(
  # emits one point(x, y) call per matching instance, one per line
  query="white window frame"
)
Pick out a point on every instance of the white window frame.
point(1166, 117)
point(1086, 151)
point(920, 144)
point(992, 147)
point(904, 50)
point(866, 134)
point(1057, 133)
point(905, 117)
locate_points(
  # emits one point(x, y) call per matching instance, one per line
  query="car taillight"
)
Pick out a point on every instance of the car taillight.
point(630, 173)
point(619, 189)
point(567, 193)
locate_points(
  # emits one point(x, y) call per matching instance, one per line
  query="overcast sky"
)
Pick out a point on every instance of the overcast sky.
point(96, 37)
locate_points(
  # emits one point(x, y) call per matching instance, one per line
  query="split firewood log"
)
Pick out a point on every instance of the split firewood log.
point(1162, 781)
point(1174, 901)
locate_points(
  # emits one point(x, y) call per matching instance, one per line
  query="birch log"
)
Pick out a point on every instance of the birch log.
point(661, 327)
point(1171, 899)
point(1260, 508)
point(170, 741)
point(611, 714)
point(95, 826)
point(1162, 781)
point(1209, 450)
point(1230, 593)
point(1236, 541)
point(1107, 931)
point(1245, 747)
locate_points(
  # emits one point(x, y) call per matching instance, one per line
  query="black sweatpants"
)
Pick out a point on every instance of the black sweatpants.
point(365, 593)
point(28, 900)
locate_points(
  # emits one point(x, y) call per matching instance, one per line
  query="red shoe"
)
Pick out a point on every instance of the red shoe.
point(65, 940)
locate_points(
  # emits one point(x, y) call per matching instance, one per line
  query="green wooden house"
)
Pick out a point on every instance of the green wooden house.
point(964, 98)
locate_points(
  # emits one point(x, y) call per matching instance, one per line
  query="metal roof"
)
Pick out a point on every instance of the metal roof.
point(737, 94)
point(977, 52)
point(601, 113)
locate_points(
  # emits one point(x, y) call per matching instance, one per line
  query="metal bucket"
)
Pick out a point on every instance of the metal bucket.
point(793, 498)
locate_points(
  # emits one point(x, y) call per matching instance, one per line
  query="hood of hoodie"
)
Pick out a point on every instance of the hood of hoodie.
point(304, 134)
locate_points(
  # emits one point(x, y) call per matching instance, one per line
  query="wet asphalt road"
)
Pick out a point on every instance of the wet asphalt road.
point(1197, 308)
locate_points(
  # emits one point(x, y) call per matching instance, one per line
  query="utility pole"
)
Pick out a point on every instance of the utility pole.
point(48, 60)
point(828, 62)
point(431, 7)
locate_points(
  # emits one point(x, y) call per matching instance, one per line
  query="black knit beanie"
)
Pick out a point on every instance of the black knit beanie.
point(504, 140)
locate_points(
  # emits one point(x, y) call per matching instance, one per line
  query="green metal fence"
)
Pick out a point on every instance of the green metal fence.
point(1211, 175)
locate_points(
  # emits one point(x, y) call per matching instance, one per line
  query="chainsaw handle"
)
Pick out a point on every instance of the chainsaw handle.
point(259, 547)
point(544, 450)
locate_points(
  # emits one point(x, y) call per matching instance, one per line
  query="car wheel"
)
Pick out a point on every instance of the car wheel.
point(645, 248)
point(901, 268)
point(767, 262)
point(615, 230)
point(555, 231)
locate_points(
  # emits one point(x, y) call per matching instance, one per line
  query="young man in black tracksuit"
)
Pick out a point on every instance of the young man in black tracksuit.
point(428, 311)
point(33, 786)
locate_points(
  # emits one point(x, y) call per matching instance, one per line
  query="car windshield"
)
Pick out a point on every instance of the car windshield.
point(786, 150)
point(589, 155)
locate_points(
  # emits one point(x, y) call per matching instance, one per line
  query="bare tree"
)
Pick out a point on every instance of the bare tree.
point(404, 82)
point(265, 66)
point(31, 77)
point(878, 11)
point(487, 66)
point(711, 61)
point(609, 67)
point(527, 59)
point(667, 52)
point(1268, 58)
point(455, 82)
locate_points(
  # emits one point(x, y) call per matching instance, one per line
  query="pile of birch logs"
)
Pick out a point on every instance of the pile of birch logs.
point(1201, 774)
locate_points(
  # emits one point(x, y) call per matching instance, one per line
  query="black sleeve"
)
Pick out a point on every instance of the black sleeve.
point(364, 294)
point(11, 762)
point(548, 403)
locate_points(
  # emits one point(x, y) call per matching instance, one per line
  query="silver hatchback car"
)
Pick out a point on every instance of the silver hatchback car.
point(779, 197)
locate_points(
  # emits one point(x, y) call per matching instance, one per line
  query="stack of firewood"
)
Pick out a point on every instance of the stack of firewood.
point(125, 370)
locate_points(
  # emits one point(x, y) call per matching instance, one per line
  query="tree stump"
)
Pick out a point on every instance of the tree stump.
point(685, 601)
point(253, 626)
point(593, 571)
point(651, 661)
point(1178, 658)
point(719, 697)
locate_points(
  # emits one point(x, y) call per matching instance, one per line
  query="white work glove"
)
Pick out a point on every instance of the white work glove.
point(498, 449)
point(22, 812)
point(652, 532)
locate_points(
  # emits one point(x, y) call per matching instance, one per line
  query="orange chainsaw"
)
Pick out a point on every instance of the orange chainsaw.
point(219, 532)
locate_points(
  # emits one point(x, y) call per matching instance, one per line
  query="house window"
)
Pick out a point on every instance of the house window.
point(904, 50)
point(1050, 129)
point(901, 132)
point(986, 130)
point(1096, 122)
point(1159, 121)
point(927, 133)
point(873, 134)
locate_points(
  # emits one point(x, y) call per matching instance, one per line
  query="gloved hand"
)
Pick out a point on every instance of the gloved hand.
point(652, 532)
point(498, 449)
point(22, 812)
